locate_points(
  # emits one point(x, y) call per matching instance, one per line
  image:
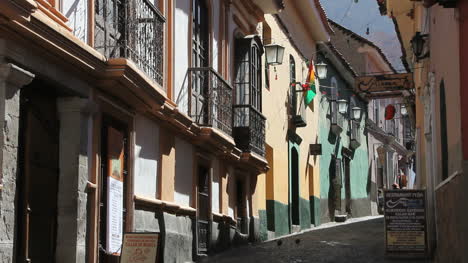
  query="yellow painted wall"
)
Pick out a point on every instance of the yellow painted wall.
point(275, 108)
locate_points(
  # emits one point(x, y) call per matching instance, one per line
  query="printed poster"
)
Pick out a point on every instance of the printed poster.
point(405, 222)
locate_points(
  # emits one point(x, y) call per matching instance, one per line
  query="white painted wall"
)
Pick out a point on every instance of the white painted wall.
point(183, 172)
point(77, 13)
point(181, 53)
point(146, 156)
point(231, 189)
point(215, 187)
point(215, 23)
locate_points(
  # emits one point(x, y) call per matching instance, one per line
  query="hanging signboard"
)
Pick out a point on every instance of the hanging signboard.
point(140, 248)
point(389, 85)
point(115, 177)
point(405, 223)
point(315, 149)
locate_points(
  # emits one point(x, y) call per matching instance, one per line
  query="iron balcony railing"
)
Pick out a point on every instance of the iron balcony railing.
point(209, 98)
point(132, 29)
point(249, 129)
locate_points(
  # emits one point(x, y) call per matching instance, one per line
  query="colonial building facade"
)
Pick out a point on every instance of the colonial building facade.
point(131, 116)
point(344, 181)
point(292, 183)
point(433, 37)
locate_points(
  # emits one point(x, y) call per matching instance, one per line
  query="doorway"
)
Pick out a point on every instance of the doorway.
point(347, 171)
point(295, 187)
point(241, 206)
point(37, 184)
point(112, 189)
point(203, 209)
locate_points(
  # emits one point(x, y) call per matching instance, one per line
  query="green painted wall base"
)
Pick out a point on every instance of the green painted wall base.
point(262, 214)
point(277, 217)
point(314, 210)
point(304, 213)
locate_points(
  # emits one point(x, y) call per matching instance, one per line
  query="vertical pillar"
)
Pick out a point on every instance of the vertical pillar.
point(73, 178)
point(12, 78)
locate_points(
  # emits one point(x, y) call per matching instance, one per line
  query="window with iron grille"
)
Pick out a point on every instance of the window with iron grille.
point(248, 76)
point(248, 121)
point(132, 29)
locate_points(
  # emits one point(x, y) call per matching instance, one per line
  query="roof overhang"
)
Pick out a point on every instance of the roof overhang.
point(376, 57)
point(270, 6)
point(314, 18)
point(337, 62)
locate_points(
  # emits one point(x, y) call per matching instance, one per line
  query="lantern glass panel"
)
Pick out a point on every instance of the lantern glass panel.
point(403, 110)
point(280, 52)
point(357, 113)
point(274, 54)
point(342, 106)
point(321, 70)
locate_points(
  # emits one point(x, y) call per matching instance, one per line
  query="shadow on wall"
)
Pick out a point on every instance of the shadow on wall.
point(331, 190)
point(369, 182)
point(332, 138)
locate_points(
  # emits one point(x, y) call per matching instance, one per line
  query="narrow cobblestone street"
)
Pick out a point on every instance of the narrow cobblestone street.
point(359, 241)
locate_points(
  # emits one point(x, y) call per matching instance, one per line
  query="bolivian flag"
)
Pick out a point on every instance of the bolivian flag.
point(309, 86)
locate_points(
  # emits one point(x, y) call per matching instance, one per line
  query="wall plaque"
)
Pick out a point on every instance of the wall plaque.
point(140, 248)
point(315, 149)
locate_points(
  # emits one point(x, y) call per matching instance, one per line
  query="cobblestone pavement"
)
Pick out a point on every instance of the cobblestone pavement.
point(360, 241)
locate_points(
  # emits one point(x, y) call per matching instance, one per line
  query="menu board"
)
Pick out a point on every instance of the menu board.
point(405, 222)
point(140, 248)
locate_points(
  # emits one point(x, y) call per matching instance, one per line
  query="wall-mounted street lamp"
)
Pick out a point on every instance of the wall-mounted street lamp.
point(274, 54)
point(403, 110)
point(357, 111)
point(321, 70)
point(342, 106)
point(419, 45)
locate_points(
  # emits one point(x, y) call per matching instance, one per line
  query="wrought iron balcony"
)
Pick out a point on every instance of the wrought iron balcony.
point(209, 99)
point(249, 129)
point(355, 134)
point(132, 29)
point(336, 118)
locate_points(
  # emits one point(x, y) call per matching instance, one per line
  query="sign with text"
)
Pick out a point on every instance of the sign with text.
point(384, 86)
point(405, 223)
point(140, 248)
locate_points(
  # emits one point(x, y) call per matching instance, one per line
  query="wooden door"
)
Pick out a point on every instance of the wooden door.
point(203, 209)
point(38, 181)
point(112, 190)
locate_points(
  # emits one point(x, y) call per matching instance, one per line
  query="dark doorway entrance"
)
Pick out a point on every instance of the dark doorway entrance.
point(203, 208)
point(112, 190)
point(347, 171)
point(38, 177)
point(295, 187)
point(241, 206)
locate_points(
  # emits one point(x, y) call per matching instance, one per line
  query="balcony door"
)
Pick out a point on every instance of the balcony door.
point(200, 59)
